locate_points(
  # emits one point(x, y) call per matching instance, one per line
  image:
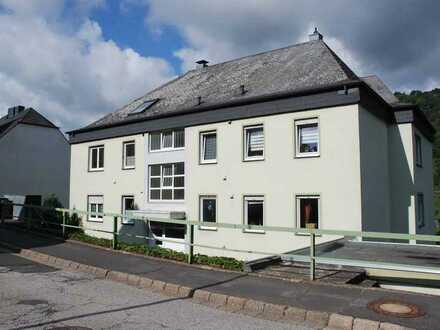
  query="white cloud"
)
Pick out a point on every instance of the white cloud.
point(72, 77)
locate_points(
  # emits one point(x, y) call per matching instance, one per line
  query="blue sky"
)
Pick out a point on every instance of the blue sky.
point(78, 60)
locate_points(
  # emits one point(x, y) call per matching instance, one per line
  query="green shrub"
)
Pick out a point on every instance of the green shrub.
point(160, 252)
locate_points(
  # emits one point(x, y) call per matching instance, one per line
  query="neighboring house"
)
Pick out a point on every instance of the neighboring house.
point(287, 138)
point(34, 158)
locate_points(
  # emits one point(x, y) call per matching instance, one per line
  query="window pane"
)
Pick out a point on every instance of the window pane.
point(128, 204)
point(167, 194)
point(155, 170)
point(92, 207)
point(255, 213)
point(94, 157)
point(101, 157)
point(309, 213)
point(129, 149)
point(155, 182)
point(255, 141)
point(174, 230)
point(167, 170)
point(155, 141)
point(167, 139)
point(308, 137)
point(167, 182)
point(210, 146)
point(155, 194)
point(179, 169)
point(179, 139)
point(179, 194)
point(209, 210)
point(179, 181)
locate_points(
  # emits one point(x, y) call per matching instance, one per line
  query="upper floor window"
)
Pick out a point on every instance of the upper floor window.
point(253, 142)
point(208, 147)
point(96, 158)
point(167, 182)
point(167, 140)
point(128, 155)
point(419, 155)
point(208, 211)
point(306, 138)
point(95, 204)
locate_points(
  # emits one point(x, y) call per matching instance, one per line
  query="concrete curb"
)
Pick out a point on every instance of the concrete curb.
point(317, 319)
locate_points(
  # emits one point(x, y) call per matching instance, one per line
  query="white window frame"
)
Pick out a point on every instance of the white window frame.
point(97, 148)
point(297, 124)
point(246, 200)
point(298, 209)
point(202, 147)
point(246, 145)
point(420, 210)
point(201, 199)
point(162, 187)
point(419, 150)
point(126, 221)
point(162, 148)
point(124, 155)
point(92, 217)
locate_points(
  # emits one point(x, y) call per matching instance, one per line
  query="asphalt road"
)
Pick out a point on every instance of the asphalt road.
point(34, 296)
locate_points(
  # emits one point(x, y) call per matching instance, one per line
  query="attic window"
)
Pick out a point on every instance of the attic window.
point(144, 106)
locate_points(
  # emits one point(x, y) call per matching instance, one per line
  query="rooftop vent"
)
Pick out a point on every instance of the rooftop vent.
point(13, 111)
point(202, 64)
point(315, 35)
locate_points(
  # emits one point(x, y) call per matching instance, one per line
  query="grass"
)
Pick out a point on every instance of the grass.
point(160, 252)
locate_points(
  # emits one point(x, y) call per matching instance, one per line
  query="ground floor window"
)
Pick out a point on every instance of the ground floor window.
point(167, 230)
point(127, 206)
point(95, 204)
point(420, 210)
point(208, 211)
point(307, 208)
point(254, 212)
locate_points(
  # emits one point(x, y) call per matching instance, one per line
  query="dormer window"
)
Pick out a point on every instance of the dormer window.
point(144, 106)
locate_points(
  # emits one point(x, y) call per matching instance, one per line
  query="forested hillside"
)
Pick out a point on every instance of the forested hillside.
point(429, 102)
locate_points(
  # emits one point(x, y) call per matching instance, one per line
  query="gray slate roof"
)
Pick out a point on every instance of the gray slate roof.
point(380, 88)
point(306, 65)
point(28, 116)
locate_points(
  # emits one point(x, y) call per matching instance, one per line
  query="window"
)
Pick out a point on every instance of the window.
point(129, 160)
point(420, 210)
point(127, 206)
point(307, 137)
point(167, 140)
point(208, 147)
point(307, 208)
point(95, 204)
point(167, 182)
point(96, 158)
point(254, 143)
point(419, 159)
point(254, 212)
point(208, 211)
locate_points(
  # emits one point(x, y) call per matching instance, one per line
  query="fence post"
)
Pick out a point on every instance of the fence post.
point(2, 213)
point(311, 227)
point(115, 233)
point(64, 224)
point(190, 241)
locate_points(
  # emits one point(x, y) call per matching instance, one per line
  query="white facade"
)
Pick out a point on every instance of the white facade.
point(364, 175)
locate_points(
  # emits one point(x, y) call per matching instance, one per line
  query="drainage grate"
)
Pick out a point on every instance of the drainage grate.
point(33, 302)
point(70, 328)
point(396, 308)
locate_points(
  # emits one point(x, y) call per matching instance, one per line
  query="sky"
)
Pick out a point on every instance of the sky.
point(77, 60)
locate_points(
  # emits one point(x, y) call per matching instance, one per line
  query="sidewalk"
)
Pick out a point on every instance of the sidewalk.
point(346, 300)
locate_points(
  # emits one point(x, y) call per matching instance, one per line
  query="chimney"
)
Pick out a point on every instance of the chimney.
point(202, 64)
point(315, 35)
point(13, 111)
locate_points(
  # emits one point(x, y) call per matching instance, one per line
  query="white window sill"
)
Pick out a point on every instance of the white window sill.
point(250, 159)
point(254, 231)
point(213, 161)
point(100, 169)
point(307, 155)
point(167, 150)
point(208, 228)
point(166, 201)
point(129, 167)
point(95, 220)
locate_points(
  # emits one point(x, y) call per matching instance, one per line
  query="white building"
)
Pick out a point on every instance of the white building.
point(34, 158)
point(283, 138)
